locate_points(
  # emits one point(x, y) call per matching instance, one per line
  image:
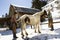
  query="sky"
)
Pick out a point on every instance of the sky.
point(5, 4)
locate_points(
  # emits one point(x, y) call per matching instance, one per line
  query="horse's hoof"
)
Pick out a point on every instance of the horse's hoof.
point(22, 37)
point(39, 32)
point(22, 34)
point(26, 33)
point(26, 38)
point(35, 31)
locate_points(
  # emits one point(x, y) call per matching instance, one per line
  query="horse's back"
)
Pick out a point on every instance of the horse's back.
point(33, 20)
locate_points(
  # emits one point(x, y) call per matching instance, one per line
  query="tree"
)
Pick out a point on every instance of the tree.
point(38, 4)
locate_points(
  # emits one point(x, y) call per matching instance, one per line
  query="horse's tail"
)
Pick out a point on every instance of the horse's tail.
point(18, 20)
point(27, 20)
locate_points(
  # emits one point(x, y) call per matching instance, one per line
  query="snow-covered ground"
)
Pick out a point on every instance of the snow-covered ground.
point(45, 34)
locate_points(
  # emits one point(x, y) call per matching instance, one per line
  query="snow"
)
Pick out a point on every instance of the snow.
point(45, 34)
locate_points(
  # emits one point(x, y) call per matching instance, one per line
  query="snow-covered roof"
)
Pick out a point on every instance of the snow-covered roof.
point(19, 6)
point(25, 9)
point(49, 4)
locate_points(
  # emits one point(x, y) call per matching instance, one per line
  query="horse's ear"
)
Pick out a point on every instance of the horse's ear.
point(45, 11)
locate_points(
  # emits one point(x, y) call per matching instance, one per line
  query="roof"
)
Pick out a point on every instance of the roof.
point(25, 10)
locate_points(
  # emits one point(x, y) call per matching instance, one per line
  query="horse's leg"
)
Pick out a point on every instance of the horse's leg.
point(35, 28)
point(14, 31)
point(23, 29)
point(26, 33)
point(38, 28)
point(31, 26)
point(22, 33)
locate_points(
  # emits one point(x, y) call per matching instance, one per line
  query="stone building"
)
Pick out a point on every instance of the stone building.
point(21, 10)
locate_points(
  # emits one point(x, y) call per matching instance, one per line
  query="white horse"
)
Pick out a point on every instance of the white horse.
point(31, 20)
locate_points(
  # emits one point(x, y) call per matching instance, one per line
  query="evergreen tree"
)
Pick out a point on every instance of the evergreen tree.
point(38, 4)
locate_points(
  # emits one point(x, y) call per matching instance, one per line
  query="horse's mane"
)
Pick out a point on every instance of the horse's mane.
point(38, 13)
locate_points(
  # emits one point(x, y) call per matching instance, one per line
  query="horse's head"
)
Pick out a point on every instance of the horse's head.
point(44, 15)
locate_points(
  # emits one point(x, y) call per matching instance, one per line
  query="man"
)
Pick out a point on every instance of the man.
point(14, 25)
point(50, 20)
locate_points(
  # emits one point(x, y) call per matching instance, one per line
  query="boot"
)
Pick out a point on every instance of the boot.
point(52, 28)
point(14, 35)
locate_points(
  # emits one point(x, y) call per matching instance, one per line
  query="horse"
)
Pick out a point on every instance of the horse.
point(31, 20)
